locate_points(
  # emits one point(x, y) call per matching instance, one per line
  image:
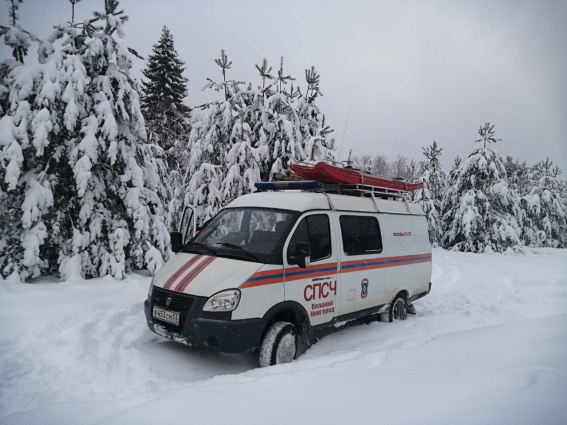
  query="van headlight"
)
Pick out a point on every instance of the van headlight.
point(223, 301)
point(151, 289)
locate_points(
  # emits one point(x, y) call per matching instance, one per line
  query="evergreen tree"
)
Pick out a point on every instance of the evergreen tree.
point(116, 171)
point(209, 144)
point(242, 161)
point(478, 209)
point(165, 87)
point(544, 210)
point(250, 135)
point(430, 195)
point(280, 125)
point(167, 117)
point(76, 162)
point(294, 129)
point(28, 141)
point(518, 175)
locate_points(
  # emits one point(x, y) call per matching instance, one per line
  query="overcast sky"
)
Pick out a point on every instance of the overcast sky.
point(410, 71)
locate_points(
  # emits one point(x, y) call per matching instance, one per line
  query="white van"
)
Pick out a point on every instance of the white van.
point(276, 267)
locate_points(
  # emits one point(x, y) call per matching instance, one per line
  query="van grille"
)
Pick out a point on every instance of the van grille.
point(179, 302)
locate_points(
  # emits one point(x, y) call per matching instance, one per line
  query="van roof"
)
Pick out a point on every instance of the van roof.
point(306, 201)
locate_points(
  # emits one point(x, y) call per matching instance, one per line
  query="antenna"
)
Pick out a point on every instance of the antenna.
point(344, 131)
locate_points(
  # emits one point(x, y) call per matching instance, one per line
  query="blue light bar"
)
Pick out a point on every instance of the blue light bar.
point(282, 185)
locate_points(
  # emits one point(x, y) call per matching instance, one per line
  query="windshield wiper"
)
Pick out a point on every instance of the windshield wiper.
point(239, 249)
point(200, 246)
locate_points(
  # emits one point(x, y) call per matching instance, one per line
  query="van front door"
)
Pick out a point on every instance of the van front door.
point(315, 287)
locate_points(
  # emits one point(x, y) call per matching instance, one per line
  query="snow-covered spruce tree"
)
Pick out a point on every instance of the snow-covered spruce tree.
point(30, 144)
point(430, 195)
point(202, 188)
point(119, 221)
point(478, 209)
point(544, 210)
point(165, 87)
point(166, 116)
point(79, 182)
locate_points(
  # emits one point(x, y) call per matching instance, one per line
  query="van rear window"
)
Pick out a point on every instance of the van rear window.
point(361, 235)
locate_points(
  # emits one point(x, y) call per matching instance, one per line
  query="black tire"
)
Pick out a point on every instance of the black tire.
point(398, 309)
point(279, 344)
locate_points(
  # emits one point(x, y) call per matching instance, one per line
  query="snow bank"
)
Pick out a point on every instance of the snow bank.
point(487, 346)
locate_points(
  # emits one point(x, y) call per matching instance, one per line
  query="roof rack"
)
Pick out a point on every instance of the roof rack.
point(343, 189)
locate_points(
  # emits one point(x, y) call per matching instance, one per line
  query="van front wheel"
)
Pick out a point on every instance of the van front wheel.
point(398, 309)
point(279, 344)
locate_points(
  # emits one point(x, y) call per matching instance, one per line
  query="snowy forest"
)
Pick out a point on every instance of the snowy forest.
point(96, 166)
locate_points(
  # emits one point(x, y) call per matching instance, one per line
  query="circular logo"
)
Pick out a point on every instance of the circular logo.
point(364, 290)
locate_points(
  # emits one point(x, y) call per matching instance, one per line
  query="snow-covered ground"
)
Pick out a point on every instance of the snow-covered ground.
point(488, 346)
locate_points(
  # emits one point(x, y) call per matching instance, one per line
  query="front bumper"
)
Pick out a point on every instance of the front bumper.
point(214, 331)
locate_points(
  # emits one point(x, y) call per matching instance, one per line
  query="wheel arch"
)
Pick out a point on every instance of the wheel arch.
point(404, 293)
point(288, 311)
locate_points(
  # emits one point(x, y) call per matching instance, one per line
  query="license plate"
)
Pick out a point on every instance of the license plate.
point(166, 316)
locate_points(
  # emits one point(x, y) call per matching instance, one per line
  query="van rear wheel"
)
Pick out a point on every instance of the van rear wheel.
point(279, 344)
point(398, 309)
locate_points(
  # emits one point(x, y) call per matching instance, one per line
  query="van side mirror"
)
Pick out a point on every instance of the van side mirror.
point(303, 254)
point(176, 241)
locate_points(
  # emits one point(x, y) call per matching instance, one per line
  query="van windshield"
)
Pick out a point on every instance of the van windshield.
point(249, 234)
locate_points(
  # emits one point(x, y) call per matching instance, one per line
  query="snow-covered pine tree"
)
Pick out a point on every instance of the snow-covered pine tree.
point(242, 161)
point(518, 176)
point(478, 209)
point(317, 144)
point(209, 144)
point(430, 195)
point(165, 87)
point(167, 117)
point(414, 170)
point(280, 122)
point(544, 210)
point(30, 145)
point(16, 37)
point(118, 224)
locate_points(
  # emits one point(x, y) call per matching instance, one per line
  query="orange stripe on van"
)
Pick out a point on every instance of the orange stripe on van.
point(194, 273)
point(180, 271)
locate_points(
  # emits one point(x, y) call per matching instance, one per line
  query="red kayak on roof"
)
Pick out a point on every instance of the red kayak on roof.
point(329, 174)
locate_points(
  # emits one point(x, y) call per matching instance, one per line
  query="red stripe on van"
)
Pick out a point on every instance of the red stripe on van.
point(266, 277)
point(194, 273)
point(378, 263)
point(180, 271)
point(297, 273)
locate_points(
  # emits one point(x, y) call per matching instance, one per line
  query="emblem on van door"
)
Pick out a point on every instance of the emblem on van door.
point(364, 292)
point(168, 301)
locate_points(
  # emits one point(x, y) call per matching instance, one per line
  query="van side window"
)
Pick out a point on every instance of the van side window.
point(315, 230)
point(361, 235)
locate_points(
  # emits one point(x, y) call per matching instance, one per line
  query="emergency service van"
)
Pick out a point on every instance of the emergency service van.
point(276, 267)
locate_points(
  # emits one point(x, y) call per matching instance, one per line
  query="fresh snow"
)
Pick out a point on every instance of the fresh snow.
point(488, 345)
